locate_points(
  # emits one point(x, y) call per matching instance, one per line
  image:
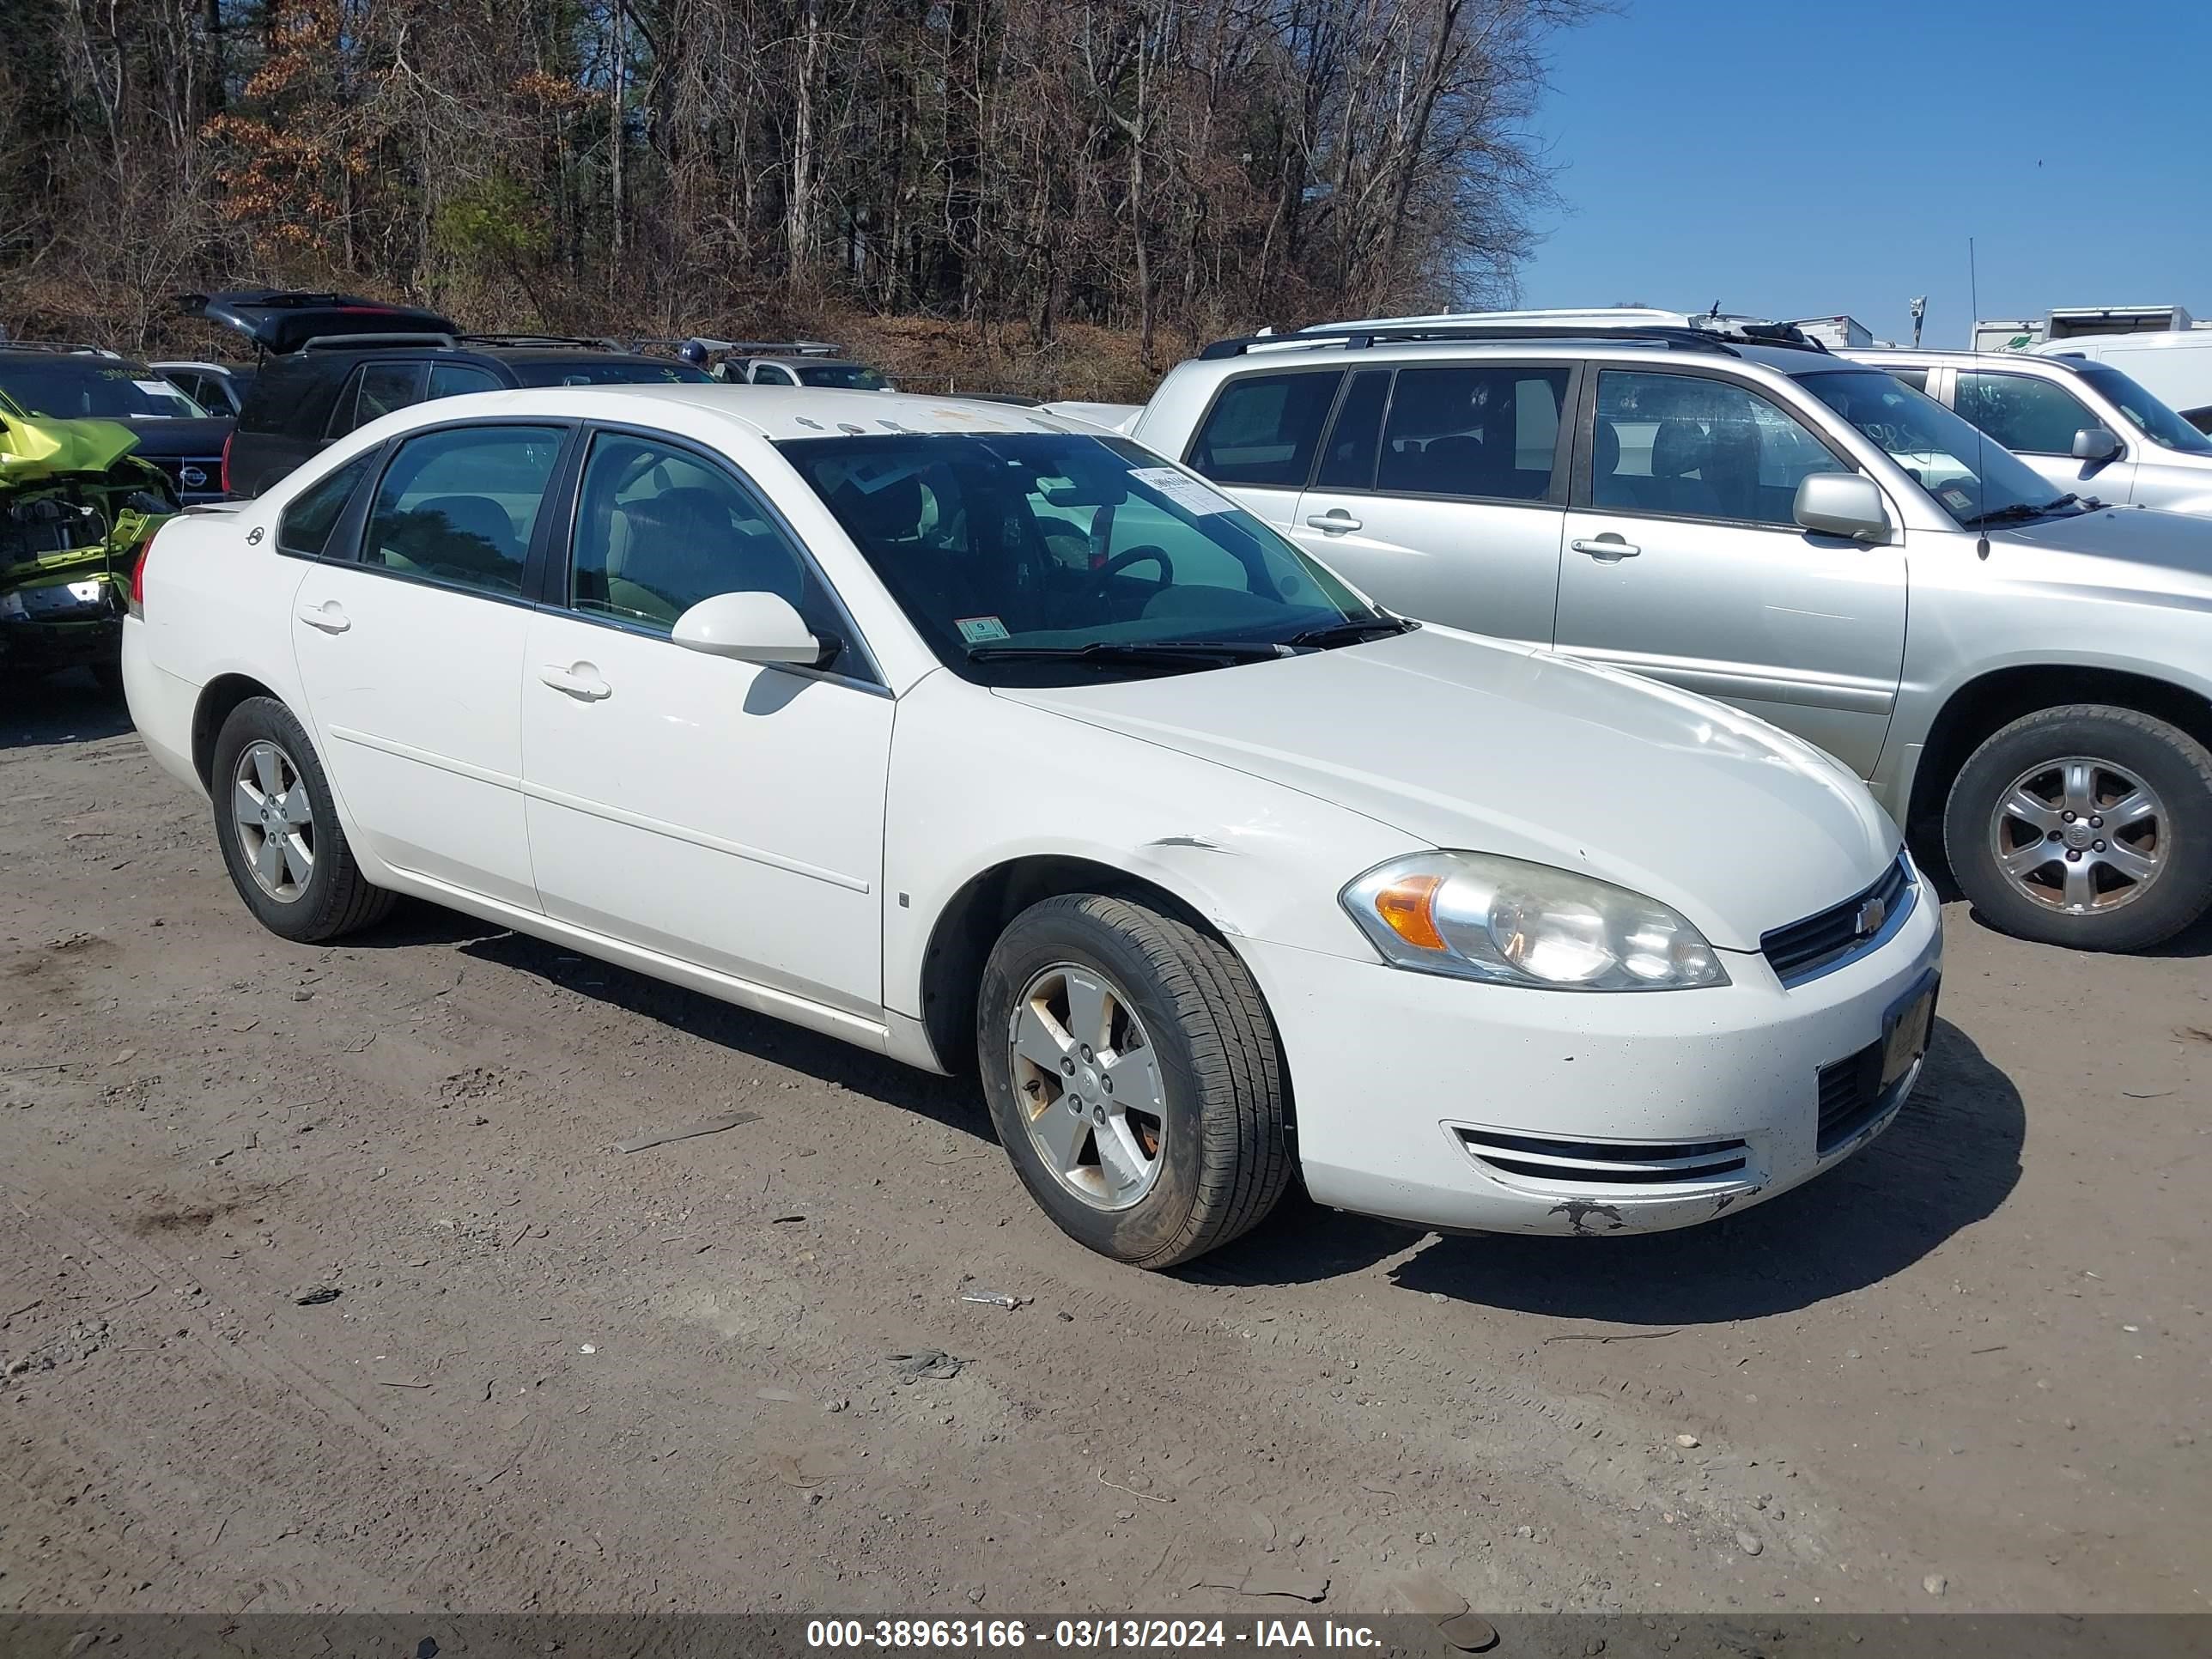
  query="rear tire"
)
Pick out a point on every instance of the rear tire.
point(2088, 826)
point(1195, 1147)
point(279, 831)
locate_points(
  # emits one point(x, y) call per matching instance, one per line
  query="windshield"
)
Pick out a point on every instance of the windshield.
point(850, 377)
point(2150, 416)
point(1969, 474)
point(77, 388)
point(1001, 545)
point(606, 371)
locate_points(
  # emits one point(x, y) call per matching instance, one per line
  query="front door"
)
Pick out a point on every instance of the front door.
point(725, 815)
point(2036, 418)
point(1453, 516)
point(410, 651)
point(1684, 562)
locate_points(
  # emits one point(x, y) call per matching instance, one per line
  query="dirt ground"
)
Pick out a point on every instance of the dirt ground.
point(1971, 1364)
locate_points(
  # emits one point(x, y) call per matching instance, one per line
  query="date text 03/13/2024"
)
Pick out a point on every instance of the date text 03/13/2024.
point(1083, 1634)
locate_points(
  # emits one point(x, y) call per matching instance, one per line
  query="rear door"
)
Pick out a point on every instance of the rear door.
point(1442, 492)
point(1684, 562)
point(410, 638)
point(1259, 438)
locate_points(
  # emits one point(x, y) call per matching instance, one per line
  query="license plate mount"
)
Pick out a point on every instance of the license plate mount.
point(1905, 1030)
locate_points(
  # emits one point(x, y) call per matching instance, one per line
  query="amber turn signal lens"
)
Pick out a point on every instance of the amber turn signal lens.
point(1409, 905)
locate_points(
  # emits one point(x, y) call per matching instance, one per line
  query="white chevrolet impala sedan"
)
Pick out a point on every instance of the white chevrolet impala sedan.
point(987, 739)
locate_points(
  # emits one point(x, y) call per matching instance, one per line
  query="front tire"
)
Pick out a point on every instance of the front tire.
point(2088, 826)
point(1133, 1075)
point(279, 831)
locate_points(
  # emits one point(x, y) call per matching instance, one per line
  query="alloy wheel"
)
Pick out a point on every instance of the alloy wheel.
point(276, 820)
point(1088, 1082)
point(2079, 836)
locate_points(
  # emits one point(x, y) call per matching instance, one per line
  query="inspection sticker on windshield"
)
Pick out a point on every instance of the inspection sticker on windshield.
point(980, 630)
point(1182, 489)
point(1957, 499)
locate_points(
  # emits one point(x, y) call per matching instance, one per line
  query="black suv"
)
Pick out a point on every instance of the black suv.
point(337, 363)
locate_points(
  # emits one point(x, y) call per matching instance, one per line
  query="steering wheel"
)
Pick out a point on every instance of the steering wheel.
point(1120, 561)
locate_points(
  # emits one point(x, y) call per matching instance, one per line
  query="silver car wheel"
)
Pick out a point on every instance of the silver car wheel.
point(2079, 836)
point(275, 819)
point(1088, 1081)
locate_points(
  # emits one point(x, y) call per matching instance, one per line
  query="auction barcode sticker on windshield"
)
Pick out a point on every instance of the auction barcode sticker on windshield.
point(1182, 489)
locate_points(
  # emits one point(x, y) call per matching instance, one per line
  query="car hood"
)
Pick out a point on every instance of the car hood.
point(172, 436)
point(1472, 742)
point(37, 446)
point(2114, 547)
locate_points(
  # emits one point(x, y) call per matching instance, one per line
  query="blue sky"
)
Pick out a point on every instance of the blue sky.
point(1791, 158)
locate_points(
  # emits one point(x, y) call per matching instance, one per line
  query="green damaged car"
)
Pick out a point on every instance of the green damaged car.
point(77, 509)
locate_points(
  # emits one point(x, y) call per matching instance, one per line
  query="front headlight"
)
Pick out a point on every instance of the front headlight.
point(1512, 923)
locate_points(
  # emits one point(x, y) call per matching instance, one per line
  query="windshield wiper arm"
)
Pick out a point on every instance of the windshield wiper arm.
point(1176, 652)
point(2018, 512)
point(1354, 631)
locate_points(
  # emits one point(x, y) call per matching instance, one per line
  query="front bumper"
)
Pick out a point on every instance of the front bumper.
point(1493, 1108)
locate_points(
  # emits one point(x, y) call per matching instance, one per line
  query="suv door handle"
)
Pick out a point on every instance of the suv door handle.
point(1608, 548)
point(330, 617)
point(1336, 522)
point(580, 680)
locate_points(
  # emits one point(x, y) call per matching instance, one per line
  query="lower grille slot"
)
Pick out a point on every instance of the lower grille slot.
point(1851, 1096)
point(1533, 1157)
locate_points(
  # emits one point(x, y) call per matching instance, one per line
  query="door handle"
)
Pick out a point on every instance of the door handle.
point(1608, 547)
point(1335, 521)
point(580, 680)
point(330, 617)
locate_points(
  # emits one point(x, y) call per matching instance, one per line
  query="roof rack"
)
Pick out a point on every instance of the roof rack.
point(595, 343)
point(364, 342)
point(1359, 337)
point(742, 347)
point(60, 347)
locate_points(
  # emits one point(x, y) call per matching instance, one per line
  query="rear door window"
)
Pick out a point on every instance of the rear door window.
point(455, 380)
point(1264, 428)
point(459, 505)
point(1489, 433)
point(1347, 460)
point(381, 388)
point(2028, 415)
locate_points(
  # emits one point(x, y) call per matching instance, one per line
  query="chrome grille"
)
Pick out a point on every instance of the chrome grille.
point(1837, 934)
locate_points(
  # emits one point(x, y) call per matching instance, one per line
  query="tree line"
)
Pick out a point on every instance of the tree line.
point(672, 166)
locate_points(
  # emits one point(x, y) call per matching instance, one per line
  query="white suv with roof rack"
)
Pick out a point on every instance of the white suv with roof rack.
point(1724, 505)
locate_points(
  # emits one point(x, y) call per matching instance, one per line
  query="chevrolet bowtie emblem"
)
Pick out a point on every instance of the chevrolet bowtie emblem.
point(1872, 914)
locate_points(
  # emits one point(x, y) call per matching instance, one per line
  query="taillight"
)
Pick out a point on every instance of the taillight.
point(227, 439)
point(138, 577)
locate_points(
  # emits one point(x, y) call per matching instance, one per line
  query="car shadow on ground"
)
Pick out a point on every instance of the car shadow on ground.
point(954, 1102)
point(38, 711)
point(1949, 1161)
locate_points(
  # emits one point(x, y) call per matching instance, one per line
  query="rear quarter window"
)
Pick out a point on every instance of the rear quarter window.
point(1264, 428)
point(294, 394)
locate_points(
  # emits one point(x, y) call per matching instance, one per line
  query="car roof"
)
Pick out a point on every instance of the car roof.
point(776, 413)
point(108, 360)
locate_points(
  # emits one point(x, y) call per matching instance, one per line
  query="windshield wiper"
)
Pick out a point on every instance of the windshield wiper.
point(1177, 653)
point(1354, 631)
point(2020, 511)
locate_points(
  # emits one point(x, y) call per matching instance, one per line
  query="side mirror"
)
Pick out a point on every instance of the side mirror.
point(1842, 504)
point(754, 627)
point(2093, 444)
